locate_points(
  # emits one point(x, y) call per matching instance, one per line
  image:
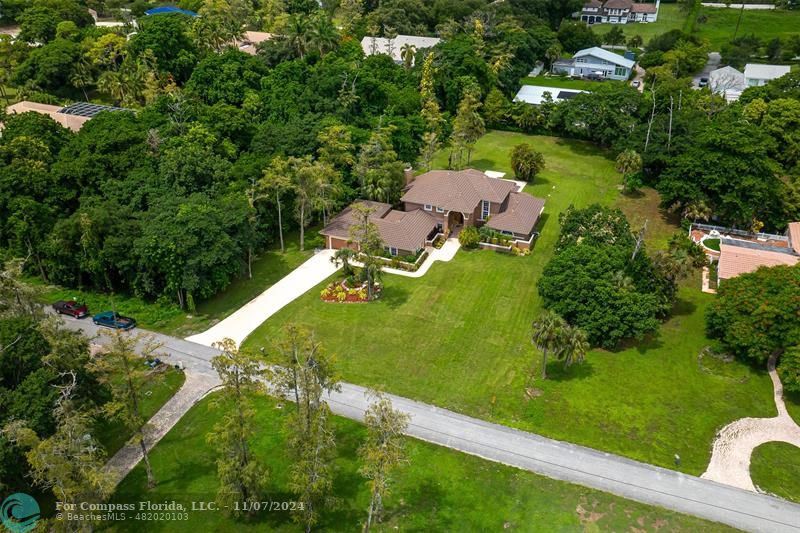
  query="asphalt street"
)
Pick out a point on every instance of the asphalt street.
point(560, 460)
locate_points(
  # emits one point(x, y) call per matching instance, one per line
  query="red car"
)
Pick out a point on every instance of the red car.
point(73, 309)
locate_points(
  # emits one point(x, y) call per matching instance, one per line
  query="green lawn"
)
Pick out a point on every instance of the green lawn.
point(721, 23)
point(561, 82)
point(459, 337)
point(775, 468)
point(439, 489)
point(268, 268)
point(159, 388)
point(670, 17)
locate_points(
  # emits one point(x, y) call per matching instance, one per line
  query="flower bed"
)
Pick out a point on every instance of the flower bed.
point(339, 292)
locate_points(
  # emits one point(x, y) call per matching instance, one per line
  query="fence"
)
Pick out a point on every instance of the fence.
point(740, 233)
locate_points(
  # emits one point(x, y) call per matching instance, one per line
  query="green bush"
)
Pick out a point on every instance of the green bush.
point(469, 237)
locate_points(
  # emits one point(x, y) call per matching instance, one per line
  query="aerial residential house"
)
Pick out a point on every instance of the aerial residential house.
point(394, 47)
point(741, 252)
point(445, 201)
point(618, 12)
point(595, 62)
point(73, 116)
point(537, 95)
point(730, 82)
point(251, 39)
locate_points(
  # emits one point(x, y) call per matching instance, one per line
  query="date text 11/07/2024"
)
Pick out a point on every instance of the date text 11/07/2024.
point(248, 507)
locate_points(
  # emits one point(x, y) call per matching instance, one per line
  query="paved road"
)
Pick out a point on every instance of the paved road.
point(246, 319)
point(577, 464)
point(714, 60)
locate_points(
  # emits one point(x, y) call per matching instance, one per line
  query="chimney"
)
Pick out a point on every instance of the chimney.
point(409, 174)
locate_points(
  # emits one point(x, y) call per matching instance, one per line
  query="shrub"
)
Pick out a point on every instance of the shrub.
point(469, 237)
point(789, 369)
point(526, 162)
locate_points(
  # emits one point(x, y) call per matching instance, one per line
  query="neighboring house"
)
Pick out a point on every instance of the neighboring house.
point(757, 75)
point(394, 47)
point(445, 201)
point(727, 82)
point(535, 94)
point(730, 82)
point(73, 116)
point(251, 39)
point(741, 252)
point(595, 62)
point(618, 12)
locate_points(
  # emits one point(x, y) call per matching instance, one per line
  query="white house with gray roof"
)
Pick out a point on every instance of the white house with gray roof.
point(595, 62)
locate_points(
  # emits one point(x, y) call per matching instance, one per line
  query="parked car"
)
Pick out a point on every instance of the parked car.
point(636, 83)
point(113, 320)
point(71, 308)
point(703, 82)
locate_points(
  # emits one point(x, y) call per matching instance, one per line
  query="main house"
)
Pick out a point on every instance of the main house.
point(618, 12)
point(73, 116)
point(595, 62)
point(445, 201)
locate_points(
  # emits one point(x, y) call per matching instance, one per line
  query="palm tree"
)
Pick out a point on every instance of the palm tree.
point(82, 78)
point(548, 334)
point(344, 256)
point(553, 54)
point(697, 210)
point(297, 35)
point(407, 54)
point(321, 34)
point(628, 162)
point(574, 346)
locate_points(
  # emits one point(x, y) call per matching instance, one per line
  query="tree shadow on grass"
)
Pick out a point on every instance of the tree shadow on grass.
point(683, 307)
point(487, 164)
point(577, 371)
point(394, 296)
point(651, 341)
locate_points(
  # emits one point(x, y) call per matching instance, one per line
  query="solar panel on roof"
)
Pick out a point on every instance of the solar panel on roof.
point(566, 95)
point(86, 109)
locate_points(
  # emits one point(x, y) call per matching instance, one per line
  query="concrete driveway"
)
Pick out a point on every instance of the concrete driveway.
point(714, 60)
point(246, 319)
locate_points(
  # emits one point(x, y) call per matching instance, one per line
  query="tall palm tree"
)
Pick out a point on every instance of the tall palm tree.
point(276, 181)
point(548, 334)
point(81, 77)
point(574, 346)
point(322, 35)
point(297, 35)
point(628, 162)
point(407, 54)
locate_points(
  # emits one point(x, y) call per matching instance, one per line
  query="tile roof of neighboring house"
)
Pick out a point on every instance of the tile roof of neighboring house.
point(618, 4)
point(398, 229)
point(457, 190)
point(534, 94)
point(251, 39)
point(726, 79)
point(602, 53)
point(644, 8)
point(794, 236)
point(737, 260)
point(381, 44)
point(765, 72)
point(520, 215)
point(594, 4)
point(73, 122)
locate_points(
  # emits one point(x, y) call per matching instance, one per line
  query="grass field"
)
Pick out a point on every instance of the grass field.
point(439, 489)
point(720, 25)
point(459, 337)
point(670, 17)
point(160, 387)
point(268, 268)
point(560, 82)
point(775, 468)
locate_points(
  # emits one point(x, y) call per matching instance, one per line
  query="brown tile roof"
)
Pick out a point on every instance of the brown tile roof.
point(457, 190)
point(618, 4)
point(736, 260)
point(398, 229)
point(520, 215)
point(794, 236)
point(644, 8)
point(596, 4)
point(73, 122)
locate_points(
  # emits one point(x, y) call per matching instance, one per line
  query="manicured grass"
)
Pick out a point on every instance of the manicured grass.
point(711, 244)
point(643, 207)
point(168, 318)
point(670, 17)
point(438, 490)
point(459, 337)
point(720, 25)
point(159, 388)
point(792, 401)
point(774, 468)
point(561, 82)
